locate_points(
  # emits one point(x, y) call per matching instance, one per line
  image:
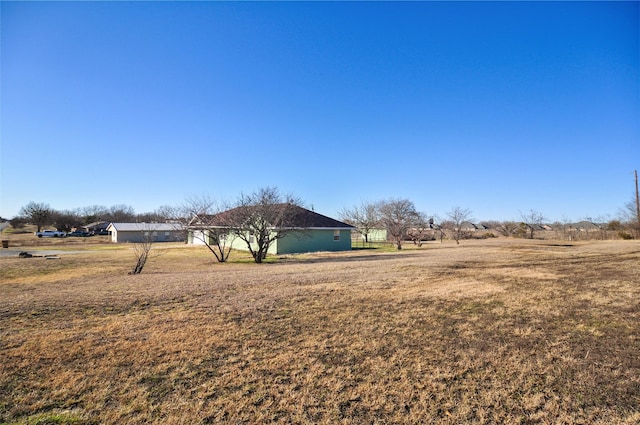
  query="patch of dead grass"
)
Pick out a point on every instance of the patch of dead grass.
point(482, 333)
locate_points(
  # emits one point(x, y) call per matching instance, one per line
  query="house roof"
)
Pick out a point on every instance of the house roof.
point(532, 225)
point(303, 217)
point(145, 227)
point(586, 225)
point(468, 225)
point(97, 225)
point(300, 218)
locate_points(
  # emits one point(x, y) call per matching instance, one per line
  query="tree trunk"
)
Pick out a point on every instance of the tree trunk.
point(142, 260)
point(259, 255)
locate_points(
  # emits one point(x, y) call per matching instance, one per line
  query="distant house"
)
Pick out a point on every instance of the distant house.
point(140, 232)
point(96, 227)
point(585, 226)
point(529, 226)
point(312, 232)
point(467, 226)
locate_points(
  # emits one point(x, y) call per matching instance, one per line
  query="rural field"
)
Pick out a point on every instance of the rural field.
point(500, 331)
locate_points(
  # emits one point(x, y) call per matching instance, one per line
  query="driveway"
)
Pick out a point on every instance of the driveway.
point(36, 252)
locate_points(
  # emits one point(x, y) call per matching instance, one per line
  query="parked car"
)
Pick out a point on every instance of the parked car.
point(51, 234)
point(79, 233)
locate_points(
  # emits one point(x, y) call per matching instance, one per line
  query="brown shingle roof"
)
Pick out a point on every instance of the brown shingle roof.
point(299, 218)
point(303, 217)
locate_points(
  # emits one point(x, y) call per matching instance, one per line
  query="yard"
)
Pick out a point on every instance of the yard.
point(502, 331)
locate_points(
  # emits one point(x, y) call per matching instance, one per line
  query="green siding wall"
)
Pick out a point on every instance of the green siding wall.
point(312, 241)
point(375, 235)
point(239, 244)
point(307, 241)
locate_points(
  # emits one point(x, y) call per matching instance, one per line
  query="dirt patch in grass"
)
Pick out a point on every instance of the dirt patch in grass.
point(486, 332)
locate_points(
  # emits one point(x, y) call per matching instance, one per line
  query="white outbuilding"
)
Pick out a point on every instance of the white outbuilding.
point(140, 232)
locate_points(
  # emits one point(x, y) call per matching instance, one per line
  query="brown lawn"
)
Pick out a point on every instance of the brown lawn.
point(497, 331)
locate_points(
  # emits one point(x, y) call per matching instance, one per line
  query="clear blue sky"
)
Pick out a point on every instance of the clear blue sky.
point(497, 107)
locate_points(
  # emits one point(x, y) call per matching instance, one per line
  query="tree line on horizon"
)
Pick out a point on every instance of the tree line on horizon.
point(399, 217)
point(41, 214)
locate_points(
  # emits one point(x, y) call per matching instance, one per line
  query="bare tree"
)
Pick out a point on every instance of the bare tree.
point(262, 217)
point(397, 216)
point(121, 214)
point(66, 220)
point(38, 213)
point(364, 217)
point(94, 213)
point(142, 249)
point(421, 228)
point(533, 221)
point(507, 228)
point(18, 222)
point(629, 215)
point(165, 213)
point(457, 216)
point(202, 217)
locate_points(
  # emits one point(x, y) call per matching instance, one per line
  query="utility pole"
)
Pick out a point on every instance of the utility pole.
point(635, 172)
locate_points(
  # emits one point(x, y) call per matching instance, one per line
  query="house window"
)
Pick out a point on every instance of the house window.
point(252, 239)
point(336, 235)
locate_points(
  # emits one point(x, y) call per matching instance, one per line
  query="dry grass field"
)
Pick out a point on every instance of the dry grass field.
point(497, 332)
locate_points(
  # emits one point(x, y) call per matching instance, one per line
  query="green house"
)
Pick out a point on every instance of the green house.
point(308, 232)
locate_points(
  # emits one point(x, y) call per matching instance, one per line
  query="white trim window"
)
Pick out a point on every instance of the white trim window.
point(336, 235)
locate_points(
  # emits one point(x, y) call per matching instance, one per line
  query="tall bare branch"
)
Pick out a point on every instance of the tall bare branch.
point(397, 216)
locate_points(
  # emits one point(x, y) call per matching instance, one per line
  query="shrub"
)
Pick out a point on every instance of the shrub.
point(624, 235)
